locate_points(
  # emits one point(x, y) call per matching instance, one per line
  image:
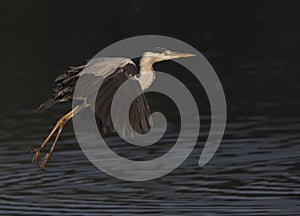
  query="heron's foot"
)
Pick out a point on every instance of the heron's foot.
point(44, 162)
point(36, 156)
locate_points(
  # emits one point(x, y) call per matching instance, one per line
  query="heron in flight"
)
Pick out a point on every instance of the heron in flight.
point(112, 73)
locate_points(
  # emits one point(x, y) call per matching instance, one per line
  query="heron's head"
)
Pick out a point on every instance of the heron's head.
point(161, 54)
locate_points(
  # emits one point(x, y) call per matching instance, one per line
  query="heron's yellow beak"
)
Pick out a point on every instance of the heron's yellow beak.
point(180, 55)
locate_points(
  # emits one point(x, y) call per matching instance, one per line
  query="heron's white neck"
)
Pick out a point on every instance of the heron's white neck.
point(147, 74)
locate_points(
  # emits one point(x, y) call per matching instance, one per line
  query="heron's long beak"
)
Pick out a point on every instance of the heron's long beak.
point(180, 55)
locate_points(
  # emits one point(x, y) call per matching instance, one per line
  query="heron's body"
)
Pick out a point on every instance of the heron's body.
point(109, 74)
point(112, 79)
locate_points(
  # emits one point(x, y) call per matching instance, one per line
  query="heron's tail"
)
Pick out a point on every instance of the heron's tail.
point(47, 104)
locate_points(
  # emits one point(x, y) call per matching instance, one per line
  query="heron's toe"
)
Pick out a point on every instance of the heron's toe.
point(37, 153)
point(35, 150)
point(44, 162)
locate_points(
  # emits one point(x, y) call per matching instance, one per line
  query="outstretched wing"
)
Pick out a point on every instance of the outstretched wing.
point(139, 111)
point(66, 82)
point(108, 74)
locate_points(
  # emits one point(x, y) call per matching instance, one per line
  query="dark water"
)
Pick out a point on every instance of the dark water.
point(253, 48)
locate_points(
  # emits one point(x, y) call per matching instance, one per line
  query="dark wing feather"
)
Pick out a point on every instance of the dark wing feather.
point(64, 89)
point(139, 112)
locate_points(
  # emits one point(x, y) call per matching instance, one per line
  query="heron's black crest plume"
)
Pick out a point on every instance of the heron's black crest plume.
point(158, 50)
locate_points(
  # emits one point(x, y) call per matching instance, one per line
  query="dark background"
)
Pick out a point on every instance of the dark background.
point(253, 47)
point(240, 39)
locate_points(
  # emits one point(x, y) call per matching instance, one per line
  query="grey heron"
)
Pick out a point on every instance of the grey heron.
point(111, 72)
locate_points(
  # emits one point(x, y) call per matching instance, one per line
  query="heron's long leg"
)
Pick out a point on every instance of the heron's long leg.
point(46, 158)
point(38, 150)
point(59, 126)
